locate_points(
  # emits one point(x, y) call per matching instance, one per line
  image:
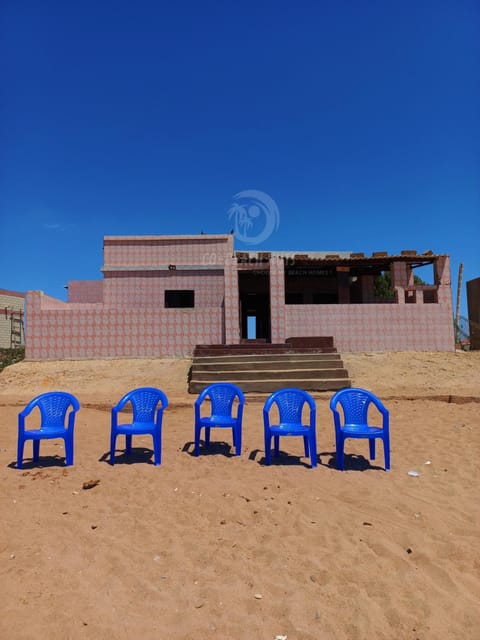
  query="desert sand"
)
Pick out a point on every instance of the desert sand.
point(224, 547)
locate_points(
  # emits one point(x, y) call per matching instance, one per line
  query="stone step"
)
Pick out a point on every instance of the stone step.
point(261, 374)
point(312, 364)
point(256, 358)
point(266, 365)
point(269, 385)
point(266, 348)
point(311, 341)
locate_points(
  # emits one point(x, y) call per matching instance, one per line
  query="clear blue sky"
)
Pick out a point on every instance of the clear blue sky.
point(361, 120)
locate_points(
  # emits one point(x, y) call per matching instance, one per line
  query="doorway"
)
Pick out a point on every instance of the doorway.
point(254, 293)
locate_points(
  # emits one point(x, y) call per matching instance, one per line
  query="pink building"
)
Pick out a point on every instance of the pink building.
point(162, 295)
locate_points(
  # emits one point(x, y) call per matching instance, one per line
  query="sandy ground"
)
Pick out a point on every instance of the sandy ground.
point(224, 547)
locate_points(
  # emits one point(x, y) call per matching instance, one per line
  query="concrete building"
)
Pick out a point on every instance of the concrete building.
point(163, 295)
point(11, 319)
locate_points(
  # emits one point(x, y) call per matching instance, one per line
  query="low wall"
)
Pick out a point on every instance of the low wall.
point(375, 327)
point(57, 330)
point(85, 291)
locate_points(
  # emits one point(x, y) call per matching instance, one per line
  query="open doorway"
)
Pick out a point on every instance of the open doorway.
point(254, 290)
point(251, 327)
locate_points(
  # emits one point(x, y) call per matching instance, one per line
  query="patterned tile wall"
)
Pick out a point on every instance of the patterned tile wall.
point(176, 250)
point(93, 331)
point(85, 291)
point(132, 321)
point(147, 288)
point(375, 327)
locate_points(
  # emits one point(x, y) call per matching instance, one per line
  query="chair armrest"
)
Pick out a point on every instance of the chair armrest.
point(71, 417)
point(313, 417)
point(266, 417)
point(240, 411)
point(29, 408)
point(25, 413)
point(386, 419)
point(121, 404)
point(336, 417)
point(21, 421)
point(198, 407)
point(159, 414)
point(382, 410)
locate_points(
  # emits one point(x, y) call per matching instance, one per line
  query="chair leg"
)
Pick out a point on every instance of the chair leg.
point(69, 450)
point(268, 446)
point(276, 445)
point(207, 436)
point(313, 449)
point(196, 450)
point(113, 441)
point(128, 444)
point(386, 452)
point(339, 453)
point(237, 440)
point(157, 449)
point(305, 446)
point(20, 446)
point(372, 448)
point(36, 450)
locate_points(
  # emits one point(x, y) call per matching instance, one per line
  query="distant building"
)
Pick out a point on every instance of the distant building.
point(473, 301)
point(11, 319)
point(163, 295)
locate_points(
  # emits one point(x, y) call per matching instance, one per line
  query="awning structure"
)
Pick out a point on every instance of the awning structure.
point(356, 263)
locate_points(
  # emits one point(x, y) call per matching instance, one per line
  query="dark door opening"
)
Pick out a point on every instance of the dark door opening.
point(254, 290)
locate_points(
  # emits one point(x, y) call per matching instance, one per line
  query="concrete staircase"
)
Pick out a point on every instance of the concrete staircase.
point(263, 368)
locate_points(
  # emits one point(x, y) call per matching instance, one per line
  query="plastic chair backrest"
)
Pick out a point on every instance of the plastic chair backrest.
point(53, 408)
point(355, 404)
point(144, 402)
point(290, 405)
point(222, 397)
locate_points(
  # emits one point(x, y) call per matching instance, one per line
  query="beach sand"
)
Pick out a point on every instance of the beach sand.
point(223, 547)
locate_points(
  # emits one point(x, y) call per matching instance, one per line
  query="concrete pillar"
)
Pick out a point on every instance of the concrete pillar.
point(277, 300)
point(232, 302)
point(443, 280)
point(343, 286)
point(399, 280)
point(367, 284)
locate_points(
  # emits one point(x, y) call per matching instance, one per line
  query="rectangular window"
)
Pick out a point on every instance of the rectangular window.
point(325, 298)
point(293, 298)
point(179, 299)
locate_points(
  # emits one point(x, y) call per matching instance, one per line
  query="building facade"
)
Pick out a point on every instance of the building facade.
point(163, 295)
point(11, 319)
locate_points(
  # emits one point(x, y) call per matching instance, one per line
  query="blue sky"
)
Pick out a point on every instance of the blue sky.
point(361, 120)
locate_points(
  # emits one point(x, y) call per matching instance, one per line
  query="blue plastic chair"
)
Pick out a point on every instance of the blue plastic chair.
point(57, 420)
point(354, 423)
point(147, 404)
point(290, 403)
point(223, 397)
